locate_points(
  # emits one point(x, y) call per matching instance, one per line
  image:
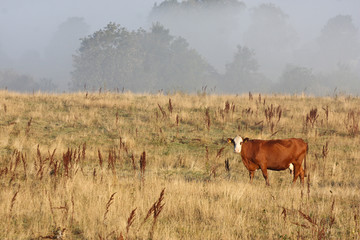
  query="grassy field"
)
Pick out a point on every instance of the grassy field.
point(141, 166)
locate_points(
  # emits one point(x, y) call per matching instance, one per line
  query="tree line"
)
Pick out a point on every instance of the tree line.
point(153, 60)
point(139, 61)
point(115, 58)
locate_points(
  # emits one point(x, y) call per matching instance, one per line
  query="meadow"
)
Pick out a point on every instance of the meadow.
point(107, 165)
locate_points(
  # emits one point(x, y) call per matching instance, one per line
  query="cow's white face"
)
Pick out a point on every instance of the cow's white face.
point(237, 141)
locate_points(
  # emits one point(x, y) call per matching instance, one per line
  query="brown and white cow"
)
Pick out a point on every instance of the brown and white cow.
point(272, 154)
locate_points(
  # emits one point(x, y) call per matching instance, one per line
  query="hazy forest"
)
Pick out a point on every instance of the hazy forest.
point(221, 46)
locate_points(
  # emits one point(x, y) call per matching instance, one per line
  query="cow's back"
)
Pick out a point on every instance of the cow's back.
point(293, 146)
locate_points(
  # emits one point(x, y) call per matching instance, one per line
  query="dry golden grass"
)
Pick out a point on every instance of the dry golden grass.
point(134, 166)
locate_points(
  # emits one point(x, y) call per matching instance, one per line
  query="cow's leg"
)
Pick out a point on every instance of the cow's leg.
point(297, 170)
point(302, 171)
point(302, 175)
point(251, 175)
point(264, 172)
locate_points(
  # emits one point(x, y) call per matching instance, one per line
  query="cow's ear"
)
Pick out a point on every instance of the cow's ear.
point(229, 140)
point(246, 139)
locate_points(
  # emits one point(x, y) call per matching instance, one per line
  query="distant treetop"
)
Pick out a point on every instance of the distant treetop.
point(174, 4)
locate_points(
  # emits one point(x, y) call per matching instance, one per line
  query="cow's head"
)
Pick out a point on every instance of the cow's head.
point(237, 141)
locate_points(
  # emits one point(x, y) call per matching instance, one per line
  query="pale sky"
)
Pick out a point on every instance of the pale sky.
point(28, 25)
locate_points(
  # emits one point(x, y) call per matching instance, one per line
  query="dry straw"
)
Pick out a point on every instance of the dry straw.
point(45, 162)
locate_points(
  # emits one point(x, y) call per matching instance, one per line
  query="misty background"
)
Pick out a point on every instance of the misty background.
point(223, 46)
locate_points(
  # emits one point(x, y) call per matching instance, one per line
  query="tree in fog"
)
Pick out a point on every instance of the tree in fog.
point(172, 64)
point(58, 53)
point(270, 35)
point(17, 82)
point(339, 42)
point(211, 27)
point(114, 57)
point(47, 85)
point(106, 58)
point(242, 73)
point(295, 80)
point(334, 56)
point(342, 79)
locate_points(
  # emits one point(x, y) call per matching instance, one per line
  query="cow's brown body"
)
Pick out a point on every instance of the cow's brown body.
point(274, 155)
